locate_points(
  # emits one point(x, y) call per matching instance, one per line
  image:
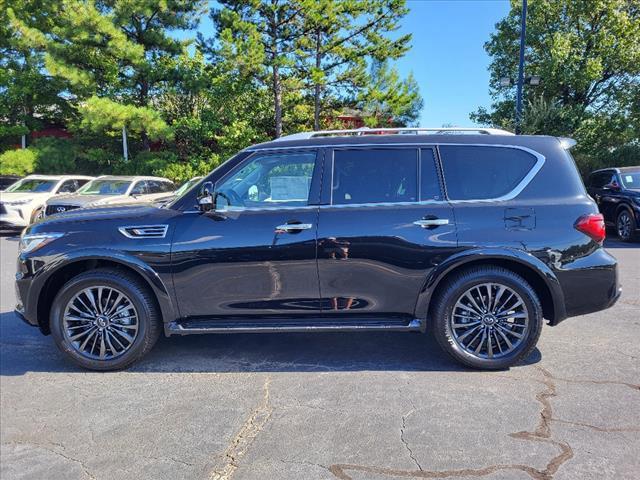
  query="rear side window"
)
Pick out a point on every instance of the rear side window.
point(375, 176)
point(478, 172)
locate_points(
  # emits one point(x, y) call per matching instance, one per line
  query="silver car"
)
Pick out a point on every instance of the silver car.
point(111, 190)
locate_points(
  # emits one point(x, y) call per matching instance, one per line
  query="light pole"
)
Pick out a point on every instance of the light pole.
point(523, 31)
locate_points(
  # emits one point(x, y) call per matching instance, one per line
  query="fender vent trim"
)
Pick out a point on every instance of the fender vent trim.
point(144, 231)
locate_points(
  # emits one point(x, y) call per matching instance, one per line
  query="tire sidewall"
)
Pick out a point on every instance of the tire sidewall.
point(468, 281)
point(81, 282)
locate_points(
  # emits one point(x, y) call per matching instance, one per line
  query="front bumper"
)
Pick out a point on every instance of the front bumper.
point(15, 217)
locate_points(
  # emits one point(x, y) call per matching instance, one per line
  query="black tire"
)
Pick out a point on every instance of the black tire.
point(626, 233)
point(149, 322)
point(455, 287)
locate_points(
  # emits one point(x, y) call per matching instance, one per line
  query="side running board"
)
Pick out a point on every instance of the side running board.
point(203, 326)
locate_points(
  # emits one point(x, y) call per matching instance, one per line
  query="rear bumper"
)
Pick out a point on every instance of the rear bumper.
point(590, 283)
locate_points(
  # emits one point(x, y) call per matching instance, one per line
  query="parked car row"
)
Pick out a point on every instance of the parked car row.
point(37, 196)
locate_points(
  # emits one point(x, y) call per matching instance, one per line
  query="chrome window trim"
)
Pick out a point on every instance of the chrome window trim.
point(540, 160)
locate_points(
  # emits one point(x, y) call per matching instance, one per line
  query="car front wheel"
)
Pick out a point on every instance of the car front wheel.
point(105, 319)
point(625, 225)
point(487, 317)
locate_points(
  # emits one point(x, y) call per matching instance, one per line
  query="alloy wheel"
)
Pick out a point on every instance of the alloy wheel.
point(624, 225)
point(489, 320)
point(100, 323)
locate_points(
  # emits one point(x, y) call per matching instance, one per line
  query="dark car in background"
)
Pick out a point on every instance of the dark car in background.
point(617, 193)
point(474, 236)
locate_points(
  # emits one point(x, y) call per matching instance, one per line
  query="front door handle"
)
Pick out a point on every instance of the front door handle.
point(294, 227)
point(431, 222)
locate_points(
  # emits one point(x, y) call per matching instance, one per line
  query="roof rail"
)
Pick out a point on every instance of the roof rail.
point(392, 131)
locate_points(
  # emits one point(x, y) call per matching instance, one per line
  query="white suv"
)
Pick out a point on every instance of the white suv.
point(22, 201)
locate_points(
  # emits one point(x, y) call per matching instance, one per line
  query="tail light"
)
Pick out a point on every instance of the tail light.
point(592, 225)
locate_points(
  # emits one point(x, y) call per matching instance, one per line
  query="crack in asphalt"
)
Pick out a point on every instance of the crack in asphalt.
point(541, 433)
point(402, 429)
point(50, 448)
point(246, 435)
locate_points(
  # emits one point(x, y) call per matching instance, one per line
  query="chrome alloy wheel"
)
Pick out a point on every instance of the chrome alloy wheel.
point(489, 320)
point(100, 323)
point(624, 224)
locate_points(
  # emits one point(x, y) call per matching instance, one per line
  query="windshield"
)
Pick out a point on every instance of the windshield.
point(187, 185)
point(35, 185)
point(630, 180)
point(105, 187)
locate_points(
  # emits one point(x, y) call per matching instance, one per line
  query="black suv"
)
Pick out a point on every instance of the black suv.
point(617, 193)
point(476, 237)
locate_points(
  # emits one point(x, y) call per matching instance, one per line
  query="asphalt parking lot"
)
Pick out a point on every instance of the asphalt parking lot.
point(326, 406)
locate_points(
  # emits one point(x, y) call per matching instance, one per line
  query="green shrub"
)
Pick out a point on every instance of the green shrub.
point(18, 162)
point(55, 155)
point(146, 163)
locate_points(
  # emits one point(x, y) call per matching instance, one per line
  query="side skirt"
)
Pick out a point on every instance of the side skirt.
point(273, 325)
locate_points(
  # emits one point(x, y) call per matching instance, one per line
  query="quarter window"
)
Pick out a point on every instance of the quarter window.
point(269, 181)
point(375, 176)
point(478, 172)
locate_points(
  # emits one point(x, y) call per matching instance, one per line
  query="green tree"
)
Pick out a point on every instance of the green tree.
point(389, 100)
point(29, 97)
point(339, 38)
point(261, 37)
point(587, 54)
point(118, 50)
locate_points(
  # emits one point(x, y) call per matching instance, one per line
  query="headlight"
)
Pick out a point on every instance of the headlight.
point(18, 202)
point(32, 242)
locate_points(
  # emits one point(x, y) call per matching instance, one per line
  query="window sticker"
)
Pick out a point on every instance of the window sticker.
point(628, 179)
point(289, 188)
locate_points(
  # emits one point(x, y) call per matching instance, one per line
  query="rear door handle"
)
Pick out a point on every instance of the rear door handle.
point(432, 222)
point(294, 227)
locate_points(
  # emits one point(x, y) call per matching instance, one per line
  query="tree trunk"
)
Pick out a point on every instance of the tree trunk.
point(277, 99)
point(316, 88)
point(142, 100)
point(277, 81)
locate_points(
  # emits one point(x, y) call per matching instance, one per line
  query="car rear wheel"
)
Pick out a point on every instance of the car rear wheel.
point(625, 225)
point(487, 317)
point(105, 319)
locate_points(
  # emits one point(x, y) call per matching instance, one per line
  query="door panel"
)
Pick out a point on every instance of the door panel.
point(374, 260)
point(237, 263)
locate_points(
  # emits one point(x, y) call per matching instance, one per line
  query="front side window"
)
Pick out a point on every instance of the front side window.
point(269, 180)
point(482, 173)
point(374, 176)
point(140, 188)
point(105, 187)
point(35, 185)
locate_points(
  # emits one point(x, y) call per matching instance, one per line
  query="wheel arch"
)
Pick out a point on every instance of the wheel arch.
point(72, 267)
point(534, 271)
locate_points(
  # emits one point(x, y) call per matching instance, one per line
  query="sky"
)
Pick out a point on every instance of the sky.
point(447, 57)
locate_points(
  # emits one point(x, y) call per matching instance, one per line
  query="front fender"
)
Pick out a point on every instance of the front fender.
point(43, 271)
point(483, 256)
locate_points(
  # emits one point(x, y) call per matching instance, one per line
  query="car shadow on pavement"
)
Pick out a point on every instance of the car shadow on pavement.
point(23, 349)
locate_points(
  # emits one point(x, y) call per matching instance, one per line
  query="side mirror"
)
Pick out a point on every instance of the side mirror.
point(206, 202)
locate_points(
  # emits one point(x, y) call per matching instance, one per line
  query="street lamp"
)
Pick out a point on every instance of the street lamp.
point(523, 31)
